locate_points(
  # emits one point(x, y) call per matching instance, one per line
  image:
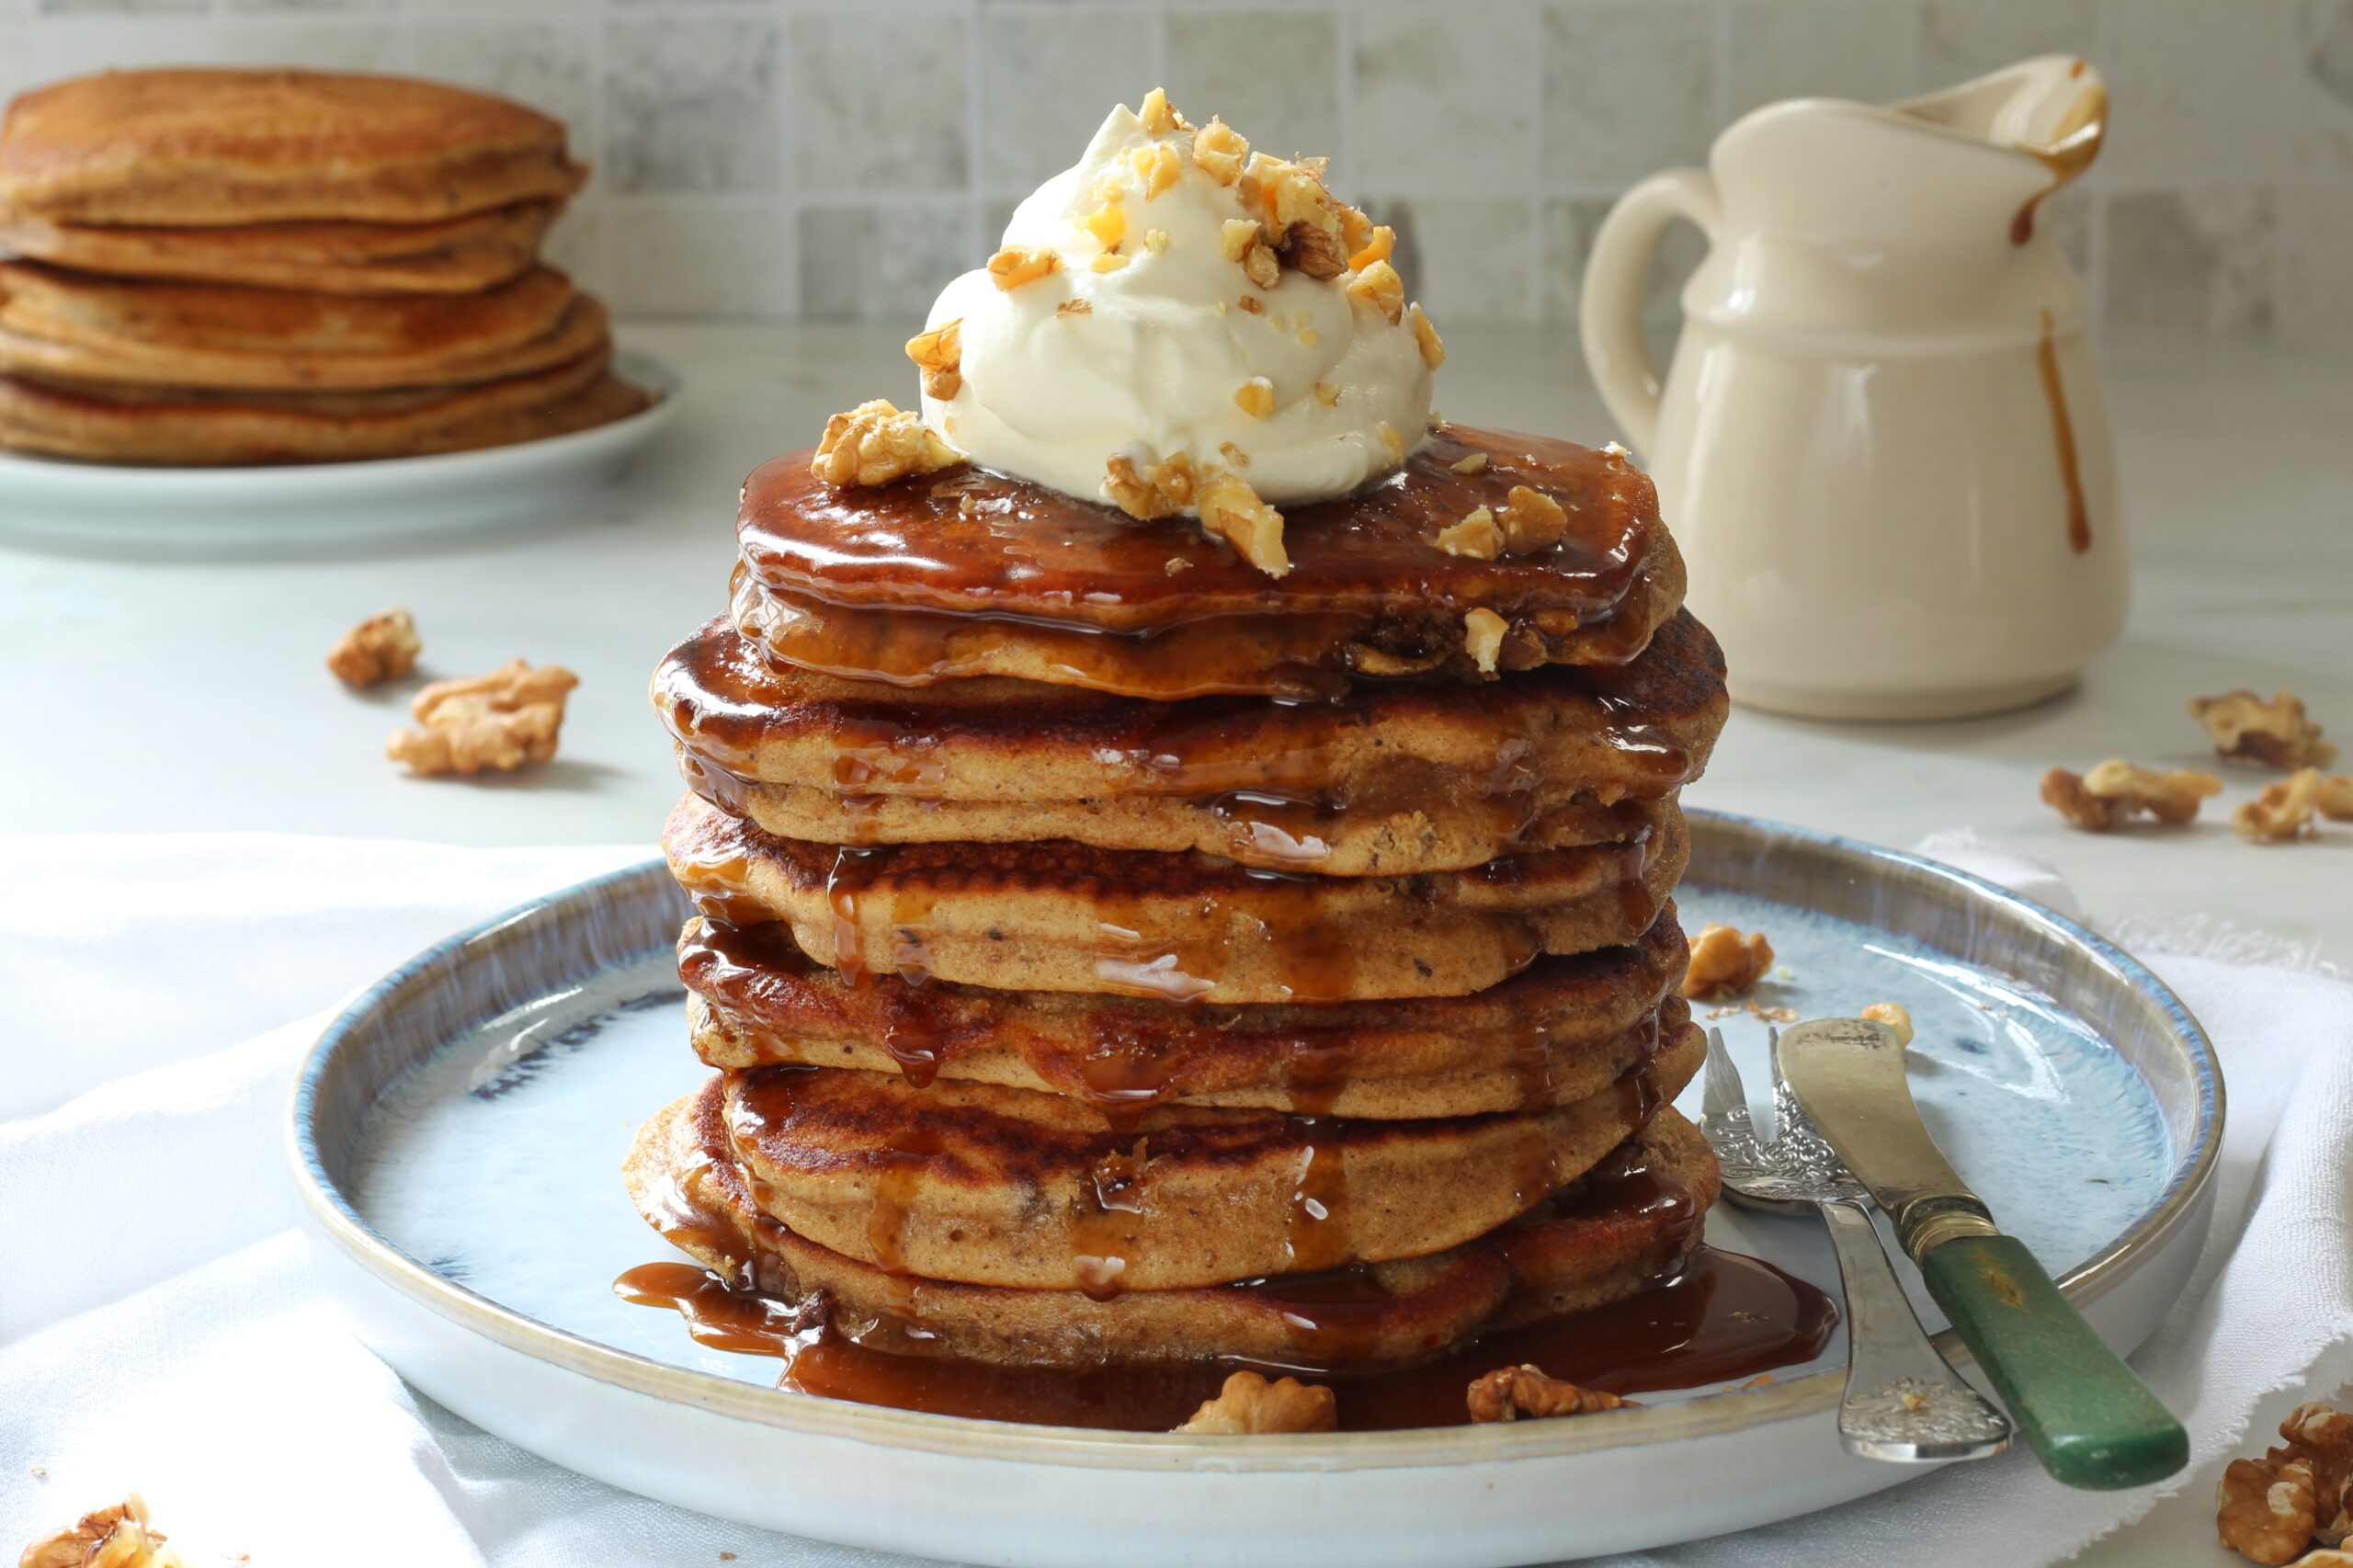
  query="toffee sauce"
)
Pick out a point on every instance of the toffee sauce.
point(1722, 1317)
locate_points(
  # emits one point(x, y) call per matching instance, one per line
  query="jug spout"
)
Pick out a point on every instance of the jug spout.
point(1962, 167)
point(2053, 108)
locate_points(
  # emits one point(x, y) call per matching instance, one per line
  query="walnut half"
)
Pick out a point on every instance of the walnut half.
point(498, 721)
point(118, 1537)
point(2276, 733)
point(1250, 1404)
point(875, 443)
point(2112, 791)
point(2298, 1494)
point(1509, 1392)
point(381, 648)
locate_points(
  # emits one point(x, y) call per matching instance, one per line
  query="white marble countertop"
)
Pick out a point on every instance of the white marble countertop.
point(175, 696)
point(191, 696)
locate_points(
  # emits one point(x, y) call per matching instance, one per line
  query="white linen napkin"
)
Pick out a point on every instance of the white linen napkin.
point(160, 1331)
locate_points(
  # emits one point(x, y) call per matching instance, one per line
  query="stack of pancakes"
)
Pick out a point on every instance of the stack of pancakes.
point(250, 266)
point(1114, 956)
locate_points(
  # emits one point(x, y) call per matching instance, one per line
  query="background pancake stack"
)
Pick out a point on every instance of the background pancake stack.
point(1102, 973)
point(254, 266)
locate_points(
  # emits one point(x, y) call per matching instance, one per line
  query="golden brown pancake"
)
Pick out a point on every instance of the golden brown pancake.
point(456, 256)
point(64, 325)
point(183, 427)
point(1393, 777)
point(1061, 916)
point(991, 1186)
point(1561, 1030)
point(968, 573)
point(221, 147)
point(1580, 1250)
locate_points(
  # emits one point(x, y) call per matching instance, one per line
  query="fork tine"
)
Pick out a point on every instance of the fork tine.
point(1773, 1057)
point(1724, 1093)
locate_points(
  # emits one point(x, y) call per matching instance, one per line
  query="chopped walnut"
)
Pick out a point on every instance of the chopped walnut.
point(1476, 534)
point(381, 648)
point(2113, 790)
point(875, 444)
point(1379, 287)
point(1390, 442)
point(1075, 308)
point(1017, 265)
point(118, 1537)
point(1159, 116)
point(1483, 638)
point(1157, 166)
point(1355, 230)
point(2283, 812)
point(1328, 394)
point(1725, 963)
point(1162, 490)
point(1108, 224)
point(1244, 241)
point(1256, 397)
point(1532, 521)
point(1109, 261)
point(500, 720)
point(1426, 336)
point(1509, 1392)
point(2276, 733)
point(1231, 509)
point(1379, 246)
point(939, 354)
point(2335, 799)
point(1249, 303)
point(1249, 1405)
point(1474, 463)
point(1312, 251)
point(1156, 241)
point(1219, 151)
point(1895, 1016)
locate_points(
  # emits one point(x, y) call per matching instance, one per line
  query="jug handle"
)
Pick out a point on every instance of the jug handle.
point(1609, 315)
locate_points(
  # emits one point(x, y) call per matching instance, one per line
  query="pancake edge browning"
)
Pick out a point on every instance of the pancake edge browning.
point(1542, 1265)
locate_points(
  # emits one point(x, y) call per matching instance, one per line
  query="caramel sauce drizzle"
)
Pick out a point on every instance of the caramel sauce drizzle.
point(2063, 434)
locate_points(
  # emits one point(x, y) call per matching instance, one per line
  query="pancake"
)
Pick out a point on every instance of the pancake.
point(1061, 917)
point(969, 573)
point(194, 428)
point(1561, 1030)
point(456, 256)
point(212, 148)
point(1584, 1249)
point(64, 325)
point(1002, 1187)
point(1392, 777)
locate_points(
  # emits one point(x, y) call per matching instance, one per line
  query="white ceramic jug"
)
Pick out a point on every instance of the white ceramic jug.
point(1881, 444)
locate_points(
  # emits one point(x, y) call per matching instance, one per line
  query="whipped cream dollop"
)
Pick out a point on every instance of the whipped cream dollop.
point(1129, 317)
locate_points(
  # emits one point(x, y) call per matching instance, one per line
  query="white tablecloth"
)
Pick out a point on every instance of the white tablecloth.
point(160, 1330)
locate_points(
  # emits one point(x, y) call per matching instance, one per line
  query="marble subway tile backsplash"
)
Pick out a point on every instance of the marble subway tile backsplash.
point(836, 159)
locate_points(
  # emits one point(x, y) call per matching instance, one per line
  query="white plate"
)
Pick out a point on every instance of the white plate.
point(458, 1136)
point(104, 508)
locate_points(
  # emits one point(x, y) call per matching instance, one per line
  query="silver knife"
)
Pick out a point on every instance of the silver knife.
point(2091, 1422)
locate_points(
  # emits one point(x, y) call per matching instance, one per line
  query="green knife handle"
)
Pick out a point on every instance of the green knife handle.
point(2091, 1421)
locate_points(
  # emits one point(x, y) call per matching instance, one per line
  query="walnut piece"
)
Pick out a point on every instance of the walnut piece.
point(1159, 116)
point(1509, 1392)
point(939, 354)
point(1250, 1404)
point(1379, 287)
point(1256, 397)
point(2283, 812)
point(1241, 240)
point(381, 648)
point(2322, 1436)
point(1476, 462)
point(1426, 336)
point(2265, 1512)
point(1483, 638)
point(1531, 521)
point(2276, 733)
point(1895, 1016)
point(1162, 490)
point(1476, 534)
point(1725, 963)
point(875, 443)
point(118, 1537)
point(1017, 265)
point(1379, 245)
point(2112, 791)
point(1232, 510)
point(1219, 151)
point(500, 720)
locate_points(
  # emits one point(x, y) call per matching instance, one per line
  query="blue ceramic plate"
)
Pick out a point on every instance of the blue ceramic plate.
point(460, 1133)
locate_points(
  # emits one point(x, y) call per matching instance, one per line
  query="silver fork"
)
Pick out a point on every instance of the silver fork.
point(1903, 1402)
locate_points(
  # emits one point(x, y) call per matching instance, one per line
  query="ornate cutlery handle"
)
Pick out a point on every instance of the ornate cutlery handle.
point(1903, 1401)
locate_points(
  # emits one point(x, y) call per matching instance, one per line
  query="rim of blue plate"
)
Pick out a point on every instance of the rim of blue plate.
point(333, 1215)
